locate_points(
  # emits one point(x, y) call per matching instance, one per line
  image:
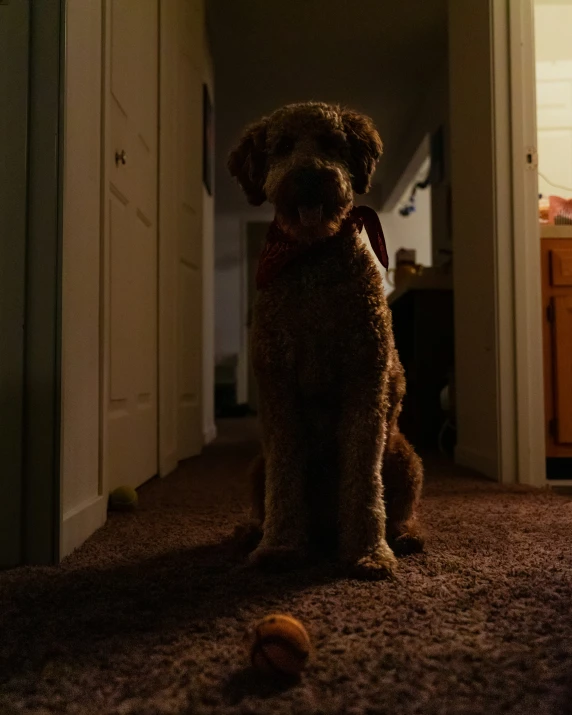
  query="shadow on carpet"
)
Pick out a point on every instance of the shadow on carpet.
point(148, 617)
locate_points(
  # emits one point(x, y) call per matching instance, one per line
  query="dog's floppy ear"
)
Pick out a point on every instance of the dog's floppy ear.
point(365, 148)
point(248, 162)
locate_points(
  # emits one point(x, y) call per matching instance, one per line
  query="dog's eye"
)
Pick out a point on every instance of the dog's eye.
point(285, 146)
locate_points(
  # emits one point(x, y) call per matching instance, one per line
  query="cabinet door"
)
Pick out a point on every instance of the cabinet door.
point(561, 267)
point(563, 367)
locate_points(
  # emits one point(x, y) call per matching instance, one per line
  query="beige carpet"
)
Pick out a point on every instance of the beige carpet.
point(148, 616)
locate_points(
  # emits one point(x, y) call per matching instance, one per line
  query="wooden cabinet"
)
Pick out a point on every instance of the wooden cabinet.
point(557, 336)
point(423, 329)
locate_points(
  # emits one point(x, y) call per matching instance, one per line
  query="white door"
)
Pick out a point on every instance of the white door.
point(130, 243)
point(554, 120)
point(181, 230)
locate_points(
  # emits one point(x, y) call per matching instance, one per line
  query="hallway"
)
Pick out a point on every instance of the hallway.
point(147, 617)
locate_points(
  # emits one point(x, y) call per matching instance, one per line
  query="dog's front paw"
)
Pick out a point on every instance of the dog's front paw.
point(374, 567)
point(407, 544)
point(276, 558)
point(247, 536)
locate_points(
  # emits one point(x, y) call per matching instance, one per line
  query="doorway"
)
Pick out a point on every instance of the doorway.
point(553, 64)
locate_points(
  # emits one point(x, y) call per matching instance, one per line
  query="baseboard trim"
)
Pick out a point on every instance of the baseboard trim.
point(81, 522)
point(482, 463)
point(209, 435)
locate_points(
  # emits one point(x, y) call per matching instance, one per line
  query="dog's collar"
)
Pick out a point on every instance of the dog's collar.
point(280, 249)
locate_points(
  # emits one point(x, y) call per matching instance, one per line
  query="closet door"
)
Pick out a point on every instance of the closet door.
point(130, 255)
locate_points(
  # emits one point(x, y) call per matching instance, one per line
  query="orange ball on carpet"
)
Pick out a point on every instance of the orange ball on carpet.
point(280, 645)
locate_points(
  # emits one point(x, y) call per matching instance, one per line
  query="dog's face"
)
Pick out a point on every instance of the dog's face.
point(307, 160)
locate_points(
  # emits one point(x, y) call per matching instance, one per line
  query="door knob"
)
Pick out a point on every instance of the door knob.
point(120, 158)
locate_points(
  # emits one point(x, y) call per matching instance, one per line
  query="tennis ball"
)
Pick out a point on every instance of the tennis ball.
point(123, 499)
point(279, 645)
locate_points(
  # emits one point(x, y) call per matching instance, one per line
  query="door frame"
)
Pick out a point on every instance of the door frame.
point(32, 528)
point(14, 36)
point(42, 405)
point(525, 274)
point(520, 376)
point(31, 515)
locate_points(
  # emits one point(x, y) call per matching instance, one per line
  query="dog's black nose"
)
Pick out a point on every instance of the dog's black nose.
point(307, 179)
point(309, 182)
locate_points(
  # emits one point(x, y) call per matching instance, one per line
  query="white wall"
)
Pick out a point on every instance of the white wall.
point(553, 40)
point(432, 113)
point(396, 169)
point(83, 504)
point(552, 23)
point(209, 428)
point(413, 231)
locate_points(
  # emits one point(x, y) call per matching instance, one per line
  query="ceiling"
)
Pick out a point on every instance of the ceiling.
point(374, 55)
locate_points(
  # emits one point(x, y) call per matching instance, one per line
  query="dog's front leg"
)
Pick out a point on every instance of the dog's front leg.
point(363, 546)
point(284, 540)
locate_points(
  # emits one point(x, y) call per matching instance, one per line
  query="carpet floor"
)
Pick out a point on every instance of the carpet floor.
point(148, 617)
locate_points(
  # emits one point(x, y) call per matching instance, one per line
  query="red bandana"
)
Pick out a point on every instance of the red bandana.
point(279, 249)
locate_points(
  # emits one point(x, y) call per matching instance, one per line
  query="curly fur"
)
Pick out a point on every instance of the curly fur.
point(335, 472)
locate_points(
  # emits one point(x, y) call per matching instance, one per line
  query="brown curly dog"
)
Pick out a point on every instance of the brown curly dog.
point(336, 473)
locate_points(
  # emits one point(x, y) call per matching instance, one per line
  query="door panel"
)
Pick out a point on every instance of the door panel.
point(181, 219)
point(120, 301)
point(131, 280)
point(561, 266)
point(123, 56)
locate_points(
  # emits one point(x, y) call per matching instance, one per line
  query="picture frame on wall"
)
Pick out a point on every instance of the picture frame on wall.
point(208, 140)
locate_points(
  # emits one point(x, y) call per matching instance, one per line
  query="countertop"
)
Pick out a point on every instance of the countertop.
point(548, 231)
point(428, 279)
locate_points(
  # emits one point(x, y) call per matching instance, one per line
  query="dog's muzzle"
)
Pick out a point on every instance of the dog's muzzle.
point(315, 193)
